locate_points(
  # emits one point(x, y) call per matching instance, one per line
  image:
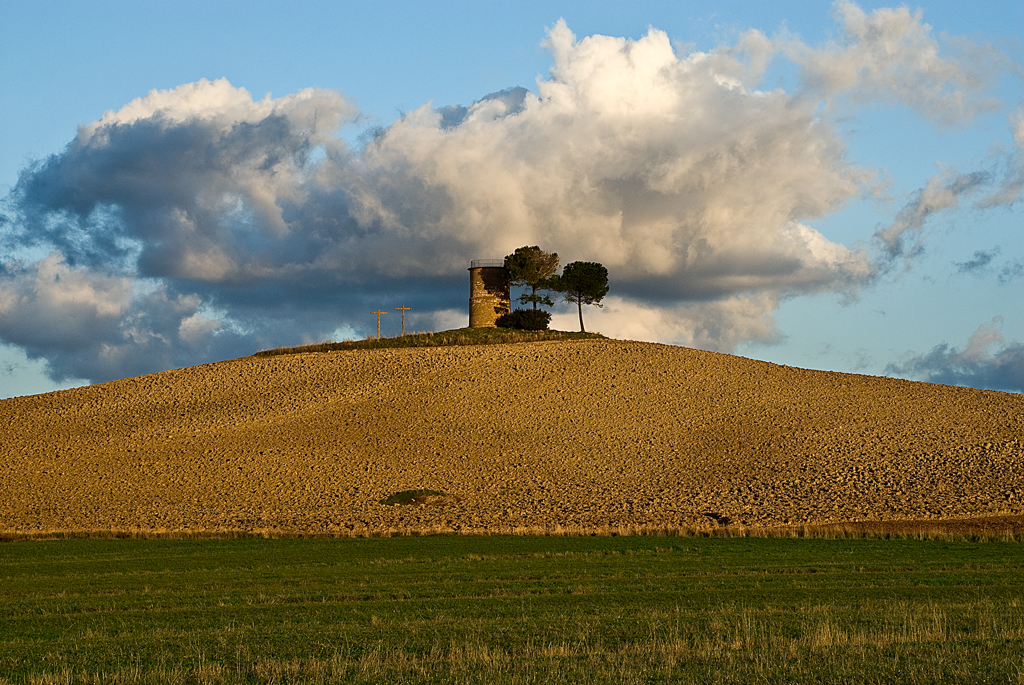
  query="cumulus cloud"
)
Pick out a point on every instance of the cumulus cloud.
point(976, 365)
point(720, 325)
point(193, 183)
point(684, 187)
point(198, 221)
point(86, 323)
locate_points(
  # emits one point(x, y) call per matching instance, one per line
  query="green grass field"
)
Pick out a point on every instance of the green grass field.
point(511, 609)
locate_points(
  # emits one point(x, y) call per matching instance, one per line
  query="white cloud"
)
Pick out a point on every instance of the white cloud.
point(222, 104)
point(719, 326)
point(890, 55)
point(195, 329)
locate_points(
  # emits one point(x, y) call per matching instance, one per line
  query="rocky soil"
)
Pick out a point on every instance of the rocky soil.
point(576, 435)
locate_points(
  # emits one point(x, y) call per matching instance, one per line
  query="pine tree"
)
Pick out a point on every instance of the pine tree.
point(583, 283)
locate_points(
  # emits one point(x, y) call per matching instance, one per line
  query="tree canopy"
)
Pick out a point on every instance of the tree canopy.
point(583, 283)
point(532, 267)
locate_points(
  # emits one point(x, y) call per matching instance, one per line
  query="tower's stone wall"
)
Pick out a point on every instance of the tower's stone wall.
point(489, 295)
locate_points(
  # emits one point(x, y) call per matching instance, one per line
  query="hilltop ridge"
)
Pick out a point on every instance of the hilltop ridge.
point(575, 434)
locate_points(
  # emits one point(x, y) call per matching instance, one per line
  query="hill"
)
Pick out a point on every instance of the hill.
point(574, 434)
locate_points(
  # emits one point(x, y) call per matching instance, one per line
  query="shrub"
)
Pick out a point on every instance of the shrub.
point(419, 498)
point(525, 320)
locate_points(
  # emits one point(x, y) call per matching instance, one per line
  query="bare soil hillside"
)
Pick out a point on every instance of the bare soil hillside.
point(571, 434)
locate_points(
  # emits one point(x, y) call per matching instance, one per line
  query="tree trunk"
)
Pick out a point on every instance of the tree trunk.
point(579, 303)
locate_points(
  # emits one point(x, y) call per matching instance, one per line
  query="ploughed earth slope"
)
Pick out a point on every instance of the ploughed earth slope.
point(577, 434)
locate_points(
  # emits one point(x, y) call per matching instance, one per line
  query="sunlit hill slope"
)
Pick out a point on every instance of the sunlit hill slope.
point(547, 435)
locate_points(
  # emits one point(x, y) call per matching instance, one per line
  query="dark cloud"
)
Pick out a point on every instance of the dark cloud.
point(1003, 185)
point(903, 238)
point(1011, 271)
point(981, 259)
point(974, 366)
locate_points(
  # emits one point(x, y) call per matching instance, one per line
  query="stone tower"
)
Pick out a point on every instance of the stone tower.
point(489, 295)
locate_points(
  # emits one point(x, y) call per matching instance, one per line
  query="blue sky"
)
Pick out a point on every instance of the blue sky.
point(835, 207)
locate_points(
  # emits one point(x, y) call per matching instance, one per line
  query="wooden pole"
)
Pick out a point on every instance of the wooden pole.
point(404, 310)
point(378, 322)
